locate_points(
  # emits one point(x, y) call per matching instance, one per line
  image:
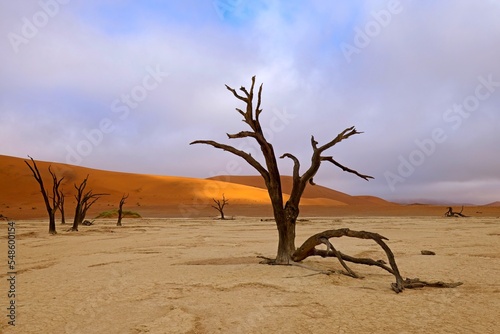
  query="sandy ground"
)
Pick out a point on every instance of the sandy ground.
point(203, 276)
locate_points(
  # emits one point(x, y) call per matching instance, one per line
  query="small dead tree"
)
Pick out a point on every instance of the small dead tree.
point(220, 204)
point(451, 213)
point(120, 210)
point(51, 202)
point(285, 214)
point(84, 200)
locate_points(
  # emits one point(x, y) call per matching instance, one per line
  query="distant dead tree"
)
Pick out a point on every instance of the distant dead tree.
point(51, 202)
point(220, 206)
point(451, 213)
point(285, 214)
point(60, 199)
point(84, 200)
point(120, 210)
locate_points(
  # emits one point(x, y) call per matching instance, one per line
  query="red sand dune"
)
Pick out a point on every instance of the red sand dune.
point(169, 196)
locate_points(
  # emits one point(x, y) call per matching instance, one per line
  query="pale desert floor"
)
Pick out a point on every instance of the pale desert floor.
point(203, 276)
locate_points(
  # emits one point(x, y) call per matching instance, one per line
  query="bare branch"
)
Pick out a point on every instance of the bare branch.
point(345, 257)
point(34, 169)
point(314, 143)
point(296, 164)
point(341, 136)
point(242, 134)
point(232, 90)
point(329, 246)
point(242, 113)
point(257, 109)
point(346, 169)
point(244, 90)
point(246, 156)
point(56, 196)
point(122, 201)
point(316, 160)
point(81, 188)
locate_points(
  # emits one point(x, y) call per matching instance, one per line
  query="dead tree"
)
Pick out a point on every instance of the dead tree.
point(451, 213)
point(220, 206)
point(285, 214)
point(51, 202)
point(60, 199)
point(120, 210)
point(78, 207)
point(84, 200)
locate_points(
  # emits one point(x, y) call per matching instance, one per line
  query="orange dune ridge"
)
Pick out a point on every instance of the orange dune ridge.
point(174, 196)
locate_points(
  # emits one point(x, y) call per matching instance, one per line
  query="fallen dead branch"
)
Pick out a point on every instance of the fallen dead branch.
point(451, 213)
point(308, 248)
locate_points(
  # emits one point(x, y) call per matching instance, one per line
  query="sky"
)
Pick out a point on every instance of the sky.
point(127, 85)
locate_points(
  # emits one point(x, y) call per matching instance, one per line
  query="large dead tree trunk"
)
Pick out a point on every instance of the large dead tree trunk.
point(285, 215)
point(52, 202)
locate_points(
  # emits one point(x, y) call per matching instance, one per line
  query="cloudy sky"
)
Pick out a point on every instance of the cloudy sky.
point(127, 85)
